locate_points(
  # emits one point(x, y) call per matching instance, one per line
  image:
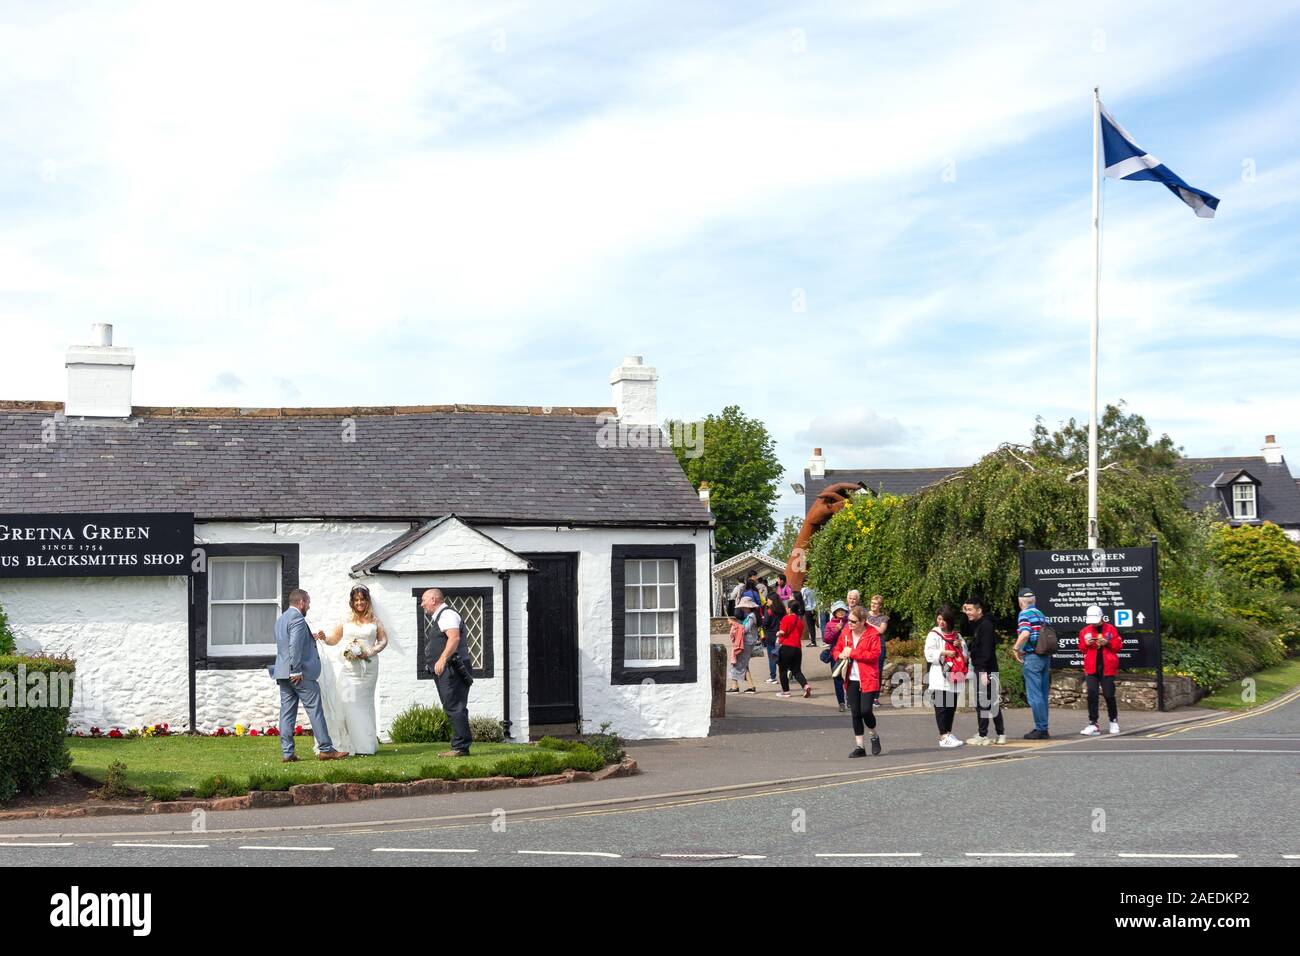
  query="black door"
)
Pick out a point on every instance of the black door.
point(553, 639)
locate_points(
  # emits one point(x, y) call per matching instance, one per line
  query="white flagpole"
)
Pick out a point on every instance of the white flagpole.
point(1096, 315)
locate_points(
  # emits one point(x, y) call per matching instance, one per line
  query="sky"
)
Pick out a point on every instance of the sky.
point(866, 224)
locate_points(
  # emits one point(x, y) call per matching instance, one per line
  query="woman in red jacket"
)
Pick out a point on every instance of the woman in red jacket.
point(1100, 644)
point(860, 646)
point(790, 650)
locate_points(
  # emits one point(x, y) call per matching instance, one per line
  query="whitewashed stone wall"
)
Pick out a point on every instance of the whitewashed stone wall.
point(636, 711)
point(129, 637)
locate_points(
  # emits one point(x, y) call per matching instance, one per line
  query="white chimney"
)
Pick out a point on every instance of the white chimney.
point(636, 396)
point(99, 377)
point(705, 493)
point(1272, 450)
point(817, 464)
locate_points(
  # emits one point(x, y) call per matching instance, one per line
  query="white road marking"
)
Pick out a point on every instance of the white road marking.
point(1020, 854)
point(750, 856)
point(291, 849)
point(843, 856)
point(609, 856)
point(1162, 750)
point(417, 849)
point(1291, 856)
point(37, 844)
point(1178, 856)
point(166, 846)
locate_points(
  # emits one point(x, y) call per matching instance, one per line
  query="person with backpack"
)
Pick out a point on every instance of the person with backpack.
point(947, 654)
point(831, 630)
point(1035, 642)
point(744, 638)
point(790, 652)
point(1101, 644)
point(856, 653)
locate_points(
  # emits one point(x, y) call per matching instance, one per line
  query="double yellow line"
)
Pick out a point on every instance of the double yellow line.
point(1282, 701)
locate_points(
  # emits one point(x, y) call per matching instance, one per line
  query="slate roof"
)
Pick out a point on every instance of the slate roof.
point(487, 464)
point(894, 481)
point(1277, 498)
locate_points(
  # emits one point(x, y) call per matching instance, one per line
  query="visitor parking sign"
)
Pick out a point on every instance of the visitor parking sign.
point(1121, 581)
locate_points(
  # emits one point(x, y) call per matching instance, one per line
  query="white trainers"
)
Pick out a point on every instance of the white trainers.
point(978, 741)
point(1114, 726)
point(1090, 731)
point(1002, 739)
point(949, 741)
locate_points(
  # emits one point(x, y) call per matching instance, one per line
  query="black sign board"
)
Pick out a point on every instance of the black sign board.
point(95, 545)
point(1123, 582)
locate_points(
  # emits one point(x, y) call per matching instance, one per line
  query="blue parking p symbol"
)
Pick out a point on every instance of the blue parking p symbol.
point(1123, 617)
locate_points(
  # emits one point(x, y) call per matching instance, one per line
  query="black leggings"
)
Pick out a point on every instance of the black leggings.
point(790, 661)
point(1108, 690)
point(861, 706)
point(945, 710)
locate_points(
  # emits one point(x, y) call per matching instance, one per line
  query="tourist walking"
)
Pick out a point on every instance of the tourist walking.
point(770, 620)
point(790, 650)
point(744, 638)
point(948, 656)
point(856, 653)
point(831, 630)
point(783, 589)
point(1101, 644)
point(1035, 661)
point(984, 664)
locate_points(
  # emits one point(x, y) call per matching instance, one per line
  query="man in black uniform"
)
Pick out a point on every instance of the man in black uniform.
point(449, 670)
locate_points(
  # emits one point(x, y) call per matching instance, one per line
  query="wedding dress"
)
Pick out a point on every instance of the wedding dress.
point(348, 691)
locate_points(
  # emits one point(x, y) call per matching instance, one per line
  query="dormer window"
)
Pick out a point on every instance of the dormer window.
point(1243, 500)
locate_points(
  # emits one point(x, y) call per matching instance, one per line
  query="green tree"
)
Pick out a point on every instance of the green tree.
point(959, 537)
point(1261, 556)
point(6, 634)
point(738, 460)
point(781, 546)
point(1122, 437)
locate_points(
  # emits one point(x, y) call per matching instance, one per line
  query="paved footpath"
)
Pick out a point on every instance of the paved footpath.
point(773, 785)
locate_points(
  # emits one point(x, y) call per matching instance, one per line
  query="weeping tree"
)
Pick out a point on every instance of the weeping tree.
point(959, 537)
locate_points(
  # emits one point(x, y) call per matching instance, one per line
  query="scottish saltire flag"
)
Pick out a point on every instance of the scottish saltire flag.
point(1125, 159)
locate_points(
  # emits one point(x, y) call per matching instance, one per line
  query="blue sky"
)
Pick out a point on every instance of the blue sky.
point(367, 204)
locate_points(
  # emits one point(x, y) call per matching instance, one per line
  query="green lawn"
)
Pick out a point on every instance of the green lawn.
point(180, 763)
point(1269, 683)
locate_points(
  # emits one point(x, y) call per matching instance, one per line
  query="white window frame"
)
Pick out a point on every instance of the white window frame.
point(1240, 501)
point(245, 650)
point(639, 662)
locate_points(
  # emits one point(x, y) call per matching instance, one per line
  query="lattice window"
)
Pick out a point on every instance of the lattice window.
point(474, 605)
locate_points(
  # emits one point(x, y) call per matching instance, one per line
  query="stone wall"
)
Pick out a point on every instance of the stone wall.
point(1132, 691)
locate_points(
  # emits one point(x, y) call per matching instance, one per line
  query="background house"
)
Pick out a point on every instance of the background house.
point(579, 563)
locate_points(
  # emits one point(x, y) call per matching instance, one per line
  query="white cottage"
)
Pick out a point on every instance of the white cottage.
point(569, 539)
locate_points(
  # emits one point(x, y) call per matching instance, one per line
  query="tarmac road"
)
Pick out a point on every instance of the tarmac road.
point(1216, 792)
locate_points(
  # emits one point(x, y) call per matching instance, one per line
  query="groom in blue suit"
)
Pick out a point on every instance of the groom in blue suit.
point(297, 671)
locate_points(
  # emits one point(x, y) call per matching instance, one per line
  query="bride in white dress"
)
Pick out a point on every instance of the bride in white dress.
point(349, 674)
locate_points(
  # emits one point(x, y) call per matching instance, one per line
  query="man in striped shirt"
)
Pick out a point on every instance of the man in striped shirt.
point(1037, 667)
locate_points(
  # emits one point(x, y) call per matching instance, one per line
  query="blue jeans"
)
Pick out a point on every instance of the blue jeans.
point(308, 692)
point(1038, 679)
point(771, 658)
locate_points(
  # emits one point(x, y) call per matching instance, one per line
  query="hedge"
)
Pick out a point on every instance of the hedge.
point(33, 742)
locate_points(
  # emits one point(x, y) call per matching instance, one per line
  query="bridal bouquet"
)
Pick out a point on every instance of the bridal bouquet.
point(355, 651)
